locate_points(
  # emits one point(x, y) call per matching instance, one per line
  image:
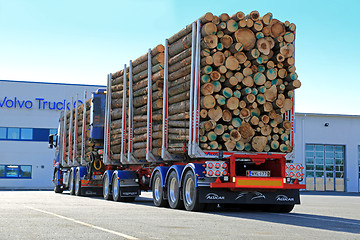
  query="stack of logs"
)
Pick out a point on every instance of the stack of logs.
point(88, 145)
point(247, 82)
point(140, 95)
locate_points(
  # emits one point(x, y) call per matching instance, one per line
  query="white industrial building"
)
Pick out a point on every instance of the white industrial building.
point(328, 146)
point(29, 112)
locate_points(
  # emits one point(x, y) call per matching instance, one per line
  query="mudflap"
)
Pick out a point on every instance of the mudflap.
point(91, 191)
point(129, 191)
point(220, 195)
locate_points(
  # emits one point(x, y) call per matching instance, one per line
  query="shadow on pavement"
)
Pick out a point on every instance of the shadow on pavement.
point(295, 219)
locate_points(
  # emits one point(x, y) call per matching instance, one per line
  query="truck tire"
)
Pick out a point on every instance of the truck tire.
point(106, 187)
point(77, 184)
point(115, 189)
point(173, 191)
point(57, 188)
point(158, 192)
point(71, 183)
point(191, 193)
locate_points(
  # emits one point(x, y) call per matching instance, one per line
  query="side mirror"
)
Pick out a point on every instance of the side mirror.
point(51, 141)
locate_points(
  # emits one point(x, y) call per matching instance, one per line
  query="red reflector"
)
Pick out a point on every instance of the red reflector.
point(100, 152)
point(210, 165)
point(217, 165)
point(224, 173)
point(210, 173)
point(217, 172)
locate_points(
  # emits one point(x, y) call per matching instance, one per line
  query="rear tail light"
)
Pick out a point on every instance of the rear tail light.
point(217, 165)
point(215, 168)
point(100, 151)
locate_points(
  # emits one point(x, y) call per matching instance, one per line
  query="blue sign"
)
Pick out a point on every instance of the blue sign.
point(38, 103)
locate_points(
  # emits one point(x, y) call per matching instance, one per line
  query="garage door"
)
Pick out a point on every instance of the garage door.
point(324, 167)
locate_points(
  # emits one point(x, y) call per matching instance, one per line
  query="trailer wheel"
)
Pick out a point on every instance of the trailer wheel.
point(158, 192)
point(71, 183)
point(173, 191)
point(191, 193)
point(57, 188)
point(106, 188)
point(116, 189)
point(77, 184)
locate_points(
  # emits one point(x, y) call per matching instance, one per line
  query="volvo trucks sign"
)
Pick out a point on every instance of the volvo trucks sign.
point(36, 103)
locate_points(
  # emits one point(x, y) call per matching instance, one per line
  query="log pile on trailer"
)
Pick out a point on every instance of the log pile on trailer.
point(139, 74)
point(77, 133)
point(246, 87)
point(247, 83)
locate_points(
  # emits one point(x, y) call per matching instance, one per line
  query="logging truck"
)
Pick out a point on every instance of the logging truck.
point(205, 119)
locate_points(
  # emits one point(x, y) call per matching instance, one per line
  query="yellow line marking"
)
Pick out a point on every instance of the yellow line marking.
point(84, 223)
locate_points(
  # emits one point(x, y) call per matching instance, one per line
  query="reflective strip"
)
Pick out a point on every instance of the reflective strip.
point(255, 182)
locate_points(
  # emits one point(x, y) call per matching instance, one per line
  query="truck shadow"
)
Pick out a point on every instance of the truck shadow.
point(314, 221)
point(295, 219)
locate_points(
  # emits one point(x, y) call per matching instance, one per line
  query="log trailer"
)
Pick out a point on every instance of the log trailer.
point(182, 172)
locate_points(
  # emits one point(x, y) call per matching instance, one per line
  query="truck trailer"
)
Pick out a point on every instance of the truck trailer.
point(163, 124)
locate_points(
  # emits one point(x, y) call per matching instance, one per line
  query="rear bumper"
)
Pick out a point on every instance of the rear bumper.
point(257, 183)
point(220, 195)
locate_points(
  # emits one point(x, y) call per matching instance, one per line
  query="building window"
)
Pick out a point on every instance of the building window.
point(15, 171)
point(26, 134)
point(3, 133)
point(13, 133)
point(324, 167)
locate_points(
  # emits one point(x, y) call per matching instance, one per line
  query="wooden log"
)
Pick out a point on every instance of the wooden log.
point(289, 37)
point(267, 19)
point(230, 145)
point(245, 113)
point(246, 37)
point(264, 46)
point(215, 113)
point(266, 130)
point(271, 94)
point(219, 129)
point(258, 26)
point(179, 107)
point(181, 64)
point(293, 85)
point(180, 88)
point(236, 122)
point(208, 102)
point(180, 45)
point(210, 41)
point(232, 103)
point(241, 57)
point(287, 51)
point(246, 132)
point(258, 143)
point(238, 16)
point(226, 115)
point(249, 23)
point(225, 137)
point(208, 29)
point(180, 73)
point(180, 97)
point(277, 29)
point(217, 86)
point(248, 81)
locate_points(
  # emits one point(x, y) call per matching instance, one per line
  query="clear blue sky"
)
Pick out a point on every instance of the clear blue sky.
point(81, 41)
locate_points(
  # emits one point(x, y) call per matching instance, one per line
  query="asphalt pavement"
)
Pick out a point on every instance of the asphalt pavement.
point(47, 215)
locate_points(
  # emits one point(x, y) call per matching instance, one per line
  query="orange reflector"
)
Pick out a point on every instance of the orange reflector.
point(258, 182)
